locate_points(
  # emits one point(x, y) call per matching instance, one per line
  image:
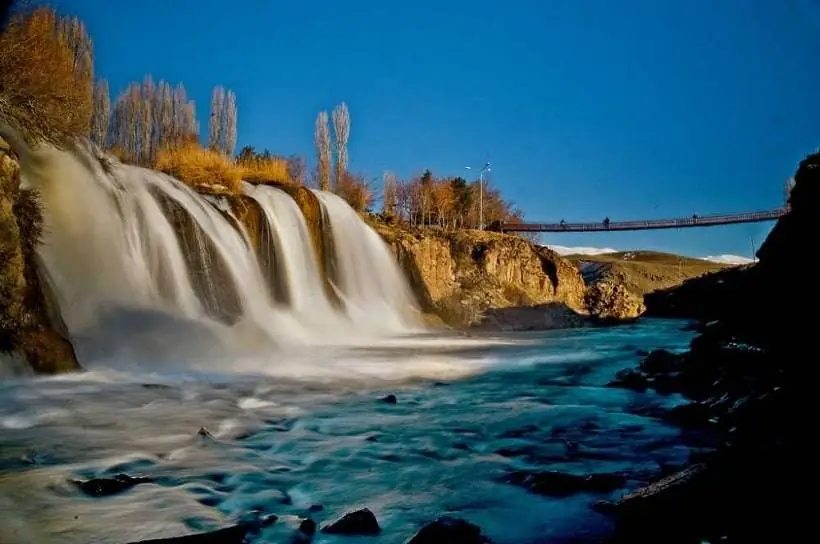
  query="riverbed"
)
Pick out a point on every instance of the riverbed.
point(321, 437)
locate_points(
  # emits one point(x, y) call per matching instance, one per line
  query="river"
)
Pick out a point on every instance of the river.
point(314, 431)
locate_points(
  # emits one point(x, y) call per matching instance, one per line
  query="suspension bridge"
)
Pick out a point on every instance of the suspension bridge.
point(649, 224)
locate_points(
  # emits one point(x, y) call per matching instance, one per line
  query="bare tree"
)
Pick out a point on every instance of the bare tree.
point(146, 120)
point(215, 123)
point(229, 124)
point(101, 114)
point(341, 132)
point(390, 194)
point(146, 117)
point(297, 169)
point(322, 141)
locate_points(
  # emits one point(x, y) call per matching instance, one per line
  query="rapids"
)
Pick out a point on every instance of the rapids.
point(467, 414)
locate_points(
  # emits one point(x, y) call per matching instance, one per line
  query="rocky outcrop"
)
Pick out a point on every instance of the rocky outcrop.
point(465, 276)
point(28, 325)
point(611, 302)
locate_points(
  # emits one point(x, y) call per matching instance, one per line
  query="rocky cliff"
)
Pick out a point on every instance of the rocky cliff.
point(740, 374)
point(487, 279)
point(28, 325)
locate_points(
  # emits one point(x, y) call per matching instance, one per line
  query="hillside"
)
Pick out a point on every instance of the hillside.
point(642, 272)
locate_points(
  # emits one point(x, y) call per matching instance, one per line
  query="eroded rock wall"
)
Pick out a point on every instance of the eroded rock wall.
point(28, 326)
point(466, 277)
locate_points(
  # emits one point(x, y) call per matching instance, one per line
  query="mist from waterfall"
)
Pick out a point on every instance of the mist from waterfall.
point(145, 270)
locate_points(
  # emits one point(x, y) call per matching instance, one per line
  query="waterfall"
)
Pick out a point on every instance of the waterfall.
point(144, 268)
point(381, 299)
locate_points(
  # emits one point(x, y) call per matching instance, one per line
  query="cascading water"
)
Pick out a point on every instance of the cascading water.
point(383, 300)
point(299, 265)
point(143, 268)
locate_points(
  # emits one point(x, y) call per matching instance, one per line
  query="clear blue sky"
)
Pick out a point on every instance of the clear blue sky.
point(587, 108)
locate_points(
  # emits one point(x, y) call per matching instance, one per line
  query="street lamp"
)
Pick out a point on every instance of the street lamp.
point(486, 168)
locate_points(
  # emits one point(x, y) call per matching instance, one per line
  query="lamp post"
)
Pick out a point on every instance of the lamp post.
point(486, 168)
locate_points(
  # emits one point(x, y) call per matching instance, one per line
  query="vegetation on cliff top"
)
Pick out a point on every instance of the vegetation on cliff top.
point(46, 70)
point(47, 89)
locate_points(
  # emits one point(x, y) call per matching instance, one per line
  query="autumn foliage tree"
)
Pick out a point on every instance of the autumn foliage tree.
point(354, 189)
point(448, 203)
point(46, 74)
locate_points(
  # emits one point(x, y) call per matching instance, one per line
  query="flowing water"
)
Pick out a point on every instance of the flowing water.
point(182, 324)
point(468, 413)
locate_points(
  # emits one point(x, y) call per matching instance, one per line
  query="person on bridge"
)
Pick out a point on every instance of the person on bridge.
point(606, 222)
point(563, 224)
point(694, 218)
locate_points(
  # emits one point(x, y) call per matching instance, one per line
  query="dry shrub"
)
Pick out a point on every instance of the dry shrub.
point(46, 74)
point(200, 168)
point(355, 191)
point(264, 170)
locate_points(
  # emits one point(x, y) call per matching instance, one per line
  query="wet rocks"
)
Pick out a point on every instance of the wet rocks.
point(672, 501)
point(307, 527)
point(105, 487)
point(630, 378)
point(449, 530)
point(360, 522)
point(561, 484)
point(389, 399)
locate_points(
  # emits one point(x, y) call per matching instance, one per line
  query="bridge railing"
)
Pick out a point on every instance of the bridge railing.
point(680, 222)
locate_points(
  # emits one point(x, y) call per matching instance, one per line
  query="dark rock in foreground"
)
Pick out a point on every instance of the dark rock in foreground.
point(559, 484)
point(360, 522)
point(447, 530)
point(229, 535)
point(105, 487)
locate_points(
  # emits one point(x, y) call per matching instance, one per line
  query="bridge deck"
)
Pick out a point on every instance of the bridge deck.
point(683, 222)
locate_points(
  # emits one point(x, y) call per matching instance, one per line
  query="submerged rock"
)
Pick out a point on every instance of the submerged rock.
point(105, 487)
point(360, 522)
point(561, 484)
point(390, 399)
point(307, 526)
point(448, 530)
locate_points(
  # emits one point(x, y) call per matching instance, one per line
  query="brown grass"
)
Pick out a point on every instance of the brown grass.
point(259, 170)
point(200, 168)
point(211, 171)
point(45, 75)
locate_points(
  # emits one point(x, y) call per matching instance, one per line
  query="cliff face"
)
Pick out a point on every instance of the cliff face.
point(740, 374)
point(477, 278)
point(28, 327)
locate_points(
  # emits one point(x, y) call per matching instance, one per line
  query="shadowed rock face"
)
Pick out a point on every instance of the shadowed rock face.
point(740, 374)
point(27, 323)
point(461, 275)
